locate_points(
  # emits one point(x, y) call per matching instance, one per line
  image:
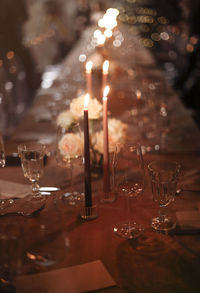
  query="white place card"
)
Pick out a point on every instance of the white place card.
point(81, 278)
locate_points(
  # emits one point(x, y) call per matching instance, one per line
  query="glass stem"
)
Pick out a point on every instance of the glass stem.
point(163, 213)
point(35, 188)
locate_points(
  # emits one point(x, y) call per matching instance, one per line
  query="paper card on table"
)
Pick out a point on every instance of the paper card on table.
point(188, 219)
point(10, 189)
point(81, 278)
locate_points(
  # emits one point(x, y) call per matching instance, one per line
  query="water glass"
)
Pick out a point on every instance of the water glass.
point(129, 184)
point(164, 178)
point(32, 160)
point(69, 155)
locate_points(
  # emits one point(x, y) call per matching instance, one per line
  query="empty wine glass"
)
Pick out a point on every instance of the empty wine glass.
point(164, 179)
point(32, 160)
point(69, 155)
point(4, 203)
point(130, 181)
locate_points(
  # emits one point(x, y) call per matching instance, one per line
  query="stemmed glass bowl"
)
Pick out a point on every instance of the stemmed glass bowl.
point(69, 155)
point(130, 182)
point(164, 178)
point(32, 161)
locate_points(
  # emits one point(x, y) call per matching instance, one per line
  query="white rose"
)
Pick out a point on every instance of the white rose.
point(77, 106)
point(117, 129)
point(65, 119)
point(71, 145)
point(94, 107)
point(117, 132)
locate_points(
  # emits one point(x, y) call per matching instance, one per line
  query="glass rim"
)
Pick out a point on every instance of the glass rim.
point(134, 144)
point(156, 163)
point(31, 147)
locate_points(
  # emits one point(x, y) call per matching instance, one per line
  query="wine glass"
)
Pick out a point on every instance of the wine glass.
point(69, 155)
point(4, 203)
point(130, 181)
point(164, 178)
point(32, 160)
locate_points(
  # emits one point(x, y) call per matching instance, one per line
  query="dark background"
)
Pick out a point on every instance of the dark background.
point(35, 34)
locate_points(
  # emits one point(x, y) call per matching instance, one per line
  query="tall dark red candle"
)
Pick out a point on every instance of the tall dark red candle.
point(88, 190)
point(106, 177)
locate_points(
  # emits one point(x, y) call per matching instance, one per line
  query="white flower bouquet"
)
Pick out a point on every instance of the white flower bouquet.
point(71, 142)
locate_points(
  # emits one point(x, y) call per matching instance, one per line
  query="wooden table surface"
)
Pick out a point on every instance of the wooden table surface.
point(152, 263)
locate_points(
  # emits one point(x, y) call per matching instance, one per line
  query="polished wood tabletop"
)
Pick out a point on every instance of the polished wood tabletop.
point(153, 262)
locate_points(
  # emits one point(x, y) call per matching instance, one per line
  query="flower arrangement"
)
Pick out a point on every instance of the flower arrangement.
point(65, 119)
point(72, 143)
point(71, 146)
point(117, 133)
point(94, 108)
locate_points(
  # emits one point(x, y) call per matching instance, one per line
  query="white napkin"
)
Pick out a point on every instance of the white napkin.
point(81, 278)
point(10, 189)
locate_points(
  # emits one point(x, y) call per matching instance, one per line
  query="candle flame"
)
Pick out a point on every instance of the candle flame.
point(86, 101)
point(105, 66)
point(106, 91)
point(138, 94)
point(89, 65)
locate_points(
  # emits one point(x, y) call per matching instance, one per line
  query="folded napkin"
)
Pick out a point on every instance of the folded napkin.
point(10, 189)
point(81, 278)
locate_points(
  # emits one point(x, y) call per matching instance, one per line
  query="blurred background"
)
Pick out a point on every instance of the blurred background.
point(36, 35)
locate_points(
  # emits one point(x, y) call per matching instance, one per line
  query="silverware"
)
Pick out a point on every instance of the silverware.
point(49, 188)
point(45, 193)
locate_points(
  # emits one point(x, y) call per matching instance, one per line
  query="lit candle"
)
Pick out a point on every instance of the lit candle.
point(89, 65)
point(105, 141)
point(105, 73)
point(88, 191)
